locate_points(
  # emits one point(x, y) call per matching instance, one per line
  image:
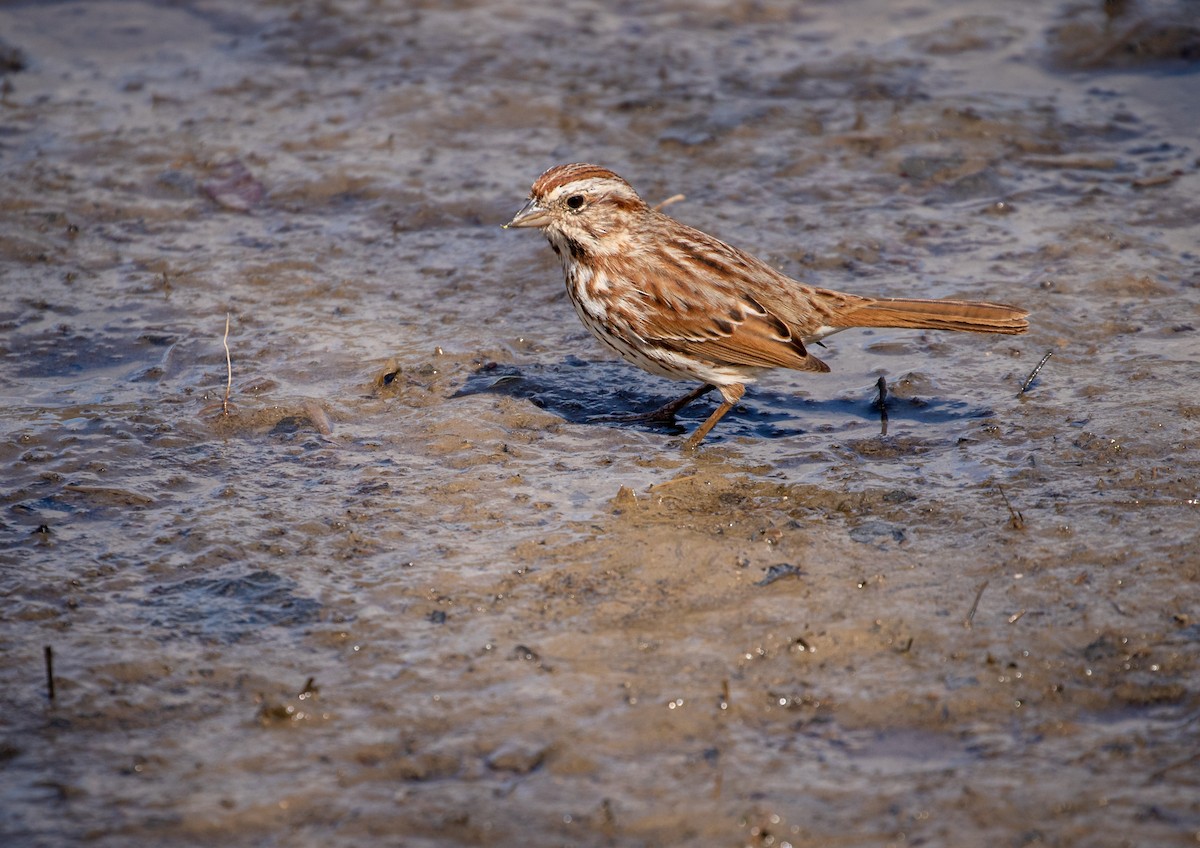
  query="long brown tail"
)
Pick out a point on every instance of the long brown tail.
point(973, 316)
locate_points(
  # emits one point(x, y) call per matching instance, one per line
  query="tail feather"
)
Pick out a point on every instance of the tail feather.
point(972, 316)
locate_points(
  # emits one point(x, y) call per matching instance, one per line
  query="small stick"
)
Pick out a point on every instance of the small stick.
point(1033, 374)
point(225, 404)
point(974, 606)
point(49, 654)
point(1015, 617)
point(674, 198)
point(881, 402)
point(1015, 519)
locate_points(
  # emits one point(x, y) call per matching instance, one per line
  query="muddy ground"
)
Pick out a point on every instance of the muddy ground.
point(403, 590)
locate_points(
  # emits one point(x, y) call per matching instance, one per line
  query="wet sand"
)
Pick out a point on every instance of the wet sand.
point(403, 590)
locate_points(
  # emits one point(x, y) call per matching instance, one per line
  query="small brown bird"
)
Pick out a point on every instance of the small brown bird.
point(679, 303)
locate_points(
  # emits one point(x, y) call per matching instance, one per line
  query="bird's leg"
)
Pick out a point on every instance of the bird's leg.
point(731, 394)
point(667, 412)
point(664, 414)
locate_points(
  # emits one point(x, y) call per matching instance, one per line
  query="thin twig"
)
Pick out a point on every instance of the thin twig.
point(674, 198)
point(974, 606)
point(228, 369)
point(1015, 519)
point(49, 654)
point(1033, 374)
point(881, 402)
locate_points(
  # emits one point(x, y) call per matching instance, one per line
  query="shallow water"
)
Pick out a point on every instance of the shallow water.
point(407, 591)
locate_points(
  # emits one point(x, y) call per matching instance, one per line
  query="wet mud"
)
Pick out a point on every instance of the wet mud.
point(383, 574)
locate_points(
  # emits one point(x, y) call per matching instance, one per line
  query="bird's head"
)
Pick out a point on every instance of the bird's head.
point(581, 207)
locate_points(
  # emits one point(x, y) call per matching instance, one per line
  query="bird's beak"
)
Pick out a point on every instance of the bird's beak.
point(531, 215)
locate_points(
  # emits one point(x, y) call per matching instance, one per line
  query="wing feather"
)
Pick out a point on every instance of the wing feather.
point(696, 301)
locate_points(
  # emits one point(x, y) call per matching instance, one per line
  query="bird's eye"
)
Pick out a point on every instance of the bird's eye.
point(575, 201)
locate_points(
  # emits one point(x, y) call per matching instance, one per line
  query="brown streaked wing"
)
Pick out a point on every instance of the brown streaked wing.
point(707, 305)
point(754, 343)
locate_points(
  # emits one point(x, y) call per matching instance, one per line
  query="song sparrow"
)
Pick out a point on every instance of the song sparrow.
point(679, 303)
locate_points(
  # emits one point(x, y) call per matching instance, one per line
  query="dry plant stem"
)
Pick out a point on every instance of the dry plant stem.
point(1033, 374)
point(1015, 519)
point(970, 619)
point(49, 655)
point(674, 198)
point(228, 369)
point(882, 403)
